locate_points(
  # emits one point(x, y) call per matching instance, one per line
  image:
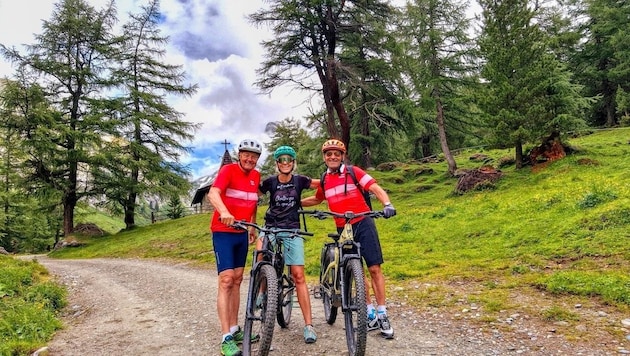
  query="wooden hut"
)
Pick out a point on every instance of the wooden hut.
point(200, 200)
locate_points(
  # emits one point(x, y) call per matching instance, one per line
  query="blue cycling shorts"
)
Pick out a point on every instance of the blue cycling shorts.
point(230, 249)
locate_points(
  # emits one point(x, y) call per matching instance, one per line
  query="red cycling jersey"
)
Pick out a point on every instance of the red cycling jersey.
point(239, 192)
point(343, 195)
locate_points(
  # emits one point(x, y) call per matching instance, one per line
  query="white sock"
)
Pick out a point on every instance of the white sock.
point(226, 335)
point(233, 329)
point(382, 310)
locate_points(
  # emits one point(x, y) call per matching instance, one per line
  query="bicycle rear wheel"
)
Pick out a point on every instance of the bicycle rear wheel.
point(327, 283)
point(262, 304)
point(355, 314)
point(286, 289)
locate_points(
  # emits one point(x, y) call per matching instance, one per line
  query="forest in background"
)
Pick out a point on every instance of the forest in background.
point(398, 84)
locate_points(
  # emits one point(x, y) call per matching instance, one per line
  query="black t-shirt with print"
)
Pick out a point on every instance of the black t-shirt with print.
point(284, 203)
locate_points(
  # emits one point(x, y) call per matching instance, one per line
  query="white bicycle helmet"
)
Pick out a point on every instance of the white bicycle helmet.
point(250, 146)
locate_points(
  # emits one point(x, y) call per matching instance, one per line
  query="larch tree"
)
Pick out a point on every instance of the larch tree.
point(148, 135)
point(369, 83)
point(30, 214)
point(289, 132)
point(528, 92)
point(603, 58)
point(70, 57)
point(308, 36)
point(437, 60)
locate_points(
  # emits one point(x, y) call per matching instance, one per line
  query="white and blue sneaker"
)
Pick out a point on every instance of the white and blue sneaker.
point(386, 328)
point(372, 323)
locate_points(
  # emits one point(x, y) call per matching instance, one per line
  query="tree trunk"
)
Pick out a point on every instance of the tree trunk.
point(331, 126)
point(424, 142)
point(70, 198)
point(452, 165)
point(518, 147)
point(365, 132)
point(68, 215)
point(611, 120)
point(130, 211)
point(335, 98)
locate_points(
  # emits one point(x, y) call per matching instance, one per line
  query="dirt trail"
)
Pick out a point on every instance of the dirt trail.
point(144, 307)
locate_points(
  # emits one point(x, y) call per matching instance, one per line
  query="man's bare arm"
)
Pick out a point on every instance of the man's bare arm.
point(215, 199)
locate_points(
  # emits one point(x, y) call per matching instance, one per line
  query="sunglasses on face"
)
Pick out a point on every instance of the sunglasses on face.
point(333, 153)
point(284, 160)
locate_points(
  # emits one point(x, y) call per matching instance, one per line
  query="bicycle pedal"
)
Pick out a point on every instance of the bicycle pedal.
point(317, 294)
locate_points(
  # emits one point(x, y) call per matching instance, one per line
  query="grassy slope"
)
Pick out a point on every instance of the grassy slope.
point(29, 306)
point(562, 229)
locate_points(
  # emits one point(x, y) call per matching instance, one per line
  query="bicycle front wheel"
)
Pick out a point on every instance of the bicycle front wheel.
point(286, 289)
point(355, 314)
point(260, 316)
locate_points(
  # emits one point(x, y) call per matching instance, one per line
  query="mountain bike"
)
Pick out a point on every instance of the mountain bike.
point(271, 288)
point(341, 280)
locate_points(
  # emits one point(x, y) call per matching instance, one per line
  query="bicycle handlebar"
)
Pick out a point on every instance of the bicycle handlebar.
point(348, 215)
point(269, 230)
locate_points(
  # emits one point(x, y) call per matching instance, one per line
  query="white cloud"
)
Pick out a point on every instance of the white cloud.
point(219, 51)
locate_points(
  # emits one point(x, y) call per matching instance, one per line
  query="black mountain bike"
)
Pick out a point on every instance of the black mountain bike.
point(271, 288)
point(341, 280)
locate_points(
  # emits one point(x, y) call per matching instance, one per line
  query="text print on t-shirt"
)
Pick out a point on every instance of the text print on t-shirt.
point(283, 197)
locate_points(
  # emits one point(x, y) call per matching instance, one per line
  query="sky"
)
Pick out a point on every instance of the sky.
point(218, 50)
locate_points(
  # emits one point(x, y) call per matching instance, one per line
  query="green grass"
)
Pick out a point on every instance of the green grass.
point(109, 224)
point(572, 213)
point(561, 230)
point(29, 306)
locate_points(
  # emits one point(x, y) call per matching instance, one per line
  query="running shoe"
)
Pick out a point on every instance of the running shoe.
point(372, 323)
point(229, 347)
point(386, 328)
point(239, 336)
point(309, 334)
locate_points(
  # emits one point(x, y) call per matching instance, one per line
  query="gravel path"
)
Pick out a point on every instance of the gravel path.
point(144, 307)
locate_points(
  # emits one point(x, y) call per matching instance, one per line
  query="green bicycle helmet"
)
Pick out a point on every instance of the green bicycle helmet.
point(284, 150)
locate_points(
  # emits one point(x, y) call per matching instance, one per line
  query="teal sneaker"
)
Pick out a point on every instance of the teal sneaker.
point(229, 347)
point(260, 299)
point(372, 323)
point(239, 336)
point(309, 334)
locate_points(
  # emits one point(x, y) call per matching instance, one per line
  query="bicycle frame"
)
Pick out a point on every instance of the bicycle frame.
point(345, 249)
point(286, 285)
point(267, 268)
point(342, 280)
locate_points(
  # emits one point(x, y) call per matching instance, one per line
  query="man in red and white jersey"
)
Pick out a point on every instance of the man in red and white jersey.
point(342, 194)
point(234, 196)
